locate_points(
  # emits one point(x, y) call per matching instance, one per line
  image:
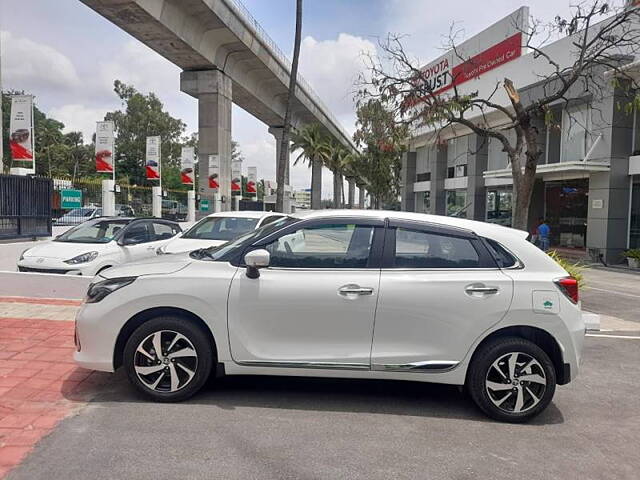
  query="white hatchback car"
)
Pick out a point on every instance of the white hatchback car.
point(218, 228)
point(98, 244)
point(361, 294)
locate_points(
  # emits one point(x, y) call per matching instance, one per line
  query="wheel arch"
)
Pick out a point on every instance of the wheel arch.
point(538, 336)
point(144, 316)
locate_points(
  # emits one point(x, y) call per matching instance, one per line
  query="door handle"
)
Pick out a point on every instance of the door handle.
point(353, 289)
point(481, 289)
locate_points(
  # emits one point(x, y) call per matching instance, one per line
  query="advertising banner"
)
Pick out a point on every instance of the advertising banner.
point(152, 158)
point(214, 171)
point(187, 165)
point(236, 176)
point(21, 129)
point(252, 180)
point(104, 147)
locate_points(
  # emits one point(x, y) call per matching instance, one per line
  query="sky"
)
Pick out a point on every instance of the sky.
point(68, 57)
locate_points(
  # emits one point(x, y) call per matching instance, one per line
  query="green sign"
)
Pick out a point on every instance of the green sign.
point(204, 205)
point(70, 198)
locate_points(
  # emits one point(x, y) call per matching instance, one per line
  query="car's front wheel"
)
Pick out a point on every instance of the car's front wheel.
point(168, 358)
point(511, 379)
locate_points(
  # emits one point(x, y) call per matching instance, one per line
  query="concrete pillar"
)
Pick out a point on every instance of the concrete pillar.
point(361, 197)
point(351, 197)
point(438, 175)
point(277, 133)
point(476, 165)
point(316, 185)
point(108, 198)
point(213, 90)
point(156, 201)
point(610, 192)
point(407, 179)
point(191, 206)
point(236, 203)
point(216, 205)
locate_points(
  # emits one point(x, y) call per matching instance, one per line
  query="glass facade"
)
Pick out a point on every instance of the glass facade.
point(499, 206)
point(456, 203)
point(634, 225)
point(566, 207)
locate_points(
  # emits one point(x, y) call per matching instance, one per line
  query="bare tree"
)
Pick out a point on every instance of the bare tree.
point(603, 39)
point(283, 160)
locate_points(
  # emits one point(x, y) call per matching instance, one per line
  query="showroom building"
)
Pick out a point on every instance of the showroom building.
point(588, 177)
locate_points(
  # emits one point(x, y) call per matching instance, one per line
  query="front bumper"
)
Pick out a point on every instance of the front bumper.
point(53, 265)
point(95, 337)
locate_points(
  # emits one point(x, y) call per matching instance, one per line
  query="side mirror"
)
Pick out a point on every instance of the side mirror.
point(255, 260)
point(124, 241)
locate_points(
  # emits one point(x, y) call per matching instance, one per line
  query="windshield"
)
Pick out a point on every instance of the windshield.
point(221, 228)
point(101, 231)
point(226, 251)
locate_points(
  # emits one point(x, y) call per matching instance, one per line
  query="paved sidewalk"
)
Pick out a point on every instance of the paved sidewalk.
point(39, 383)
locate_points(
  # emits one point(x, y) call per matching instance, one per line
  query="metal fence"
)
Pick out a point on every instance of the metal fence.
point(25, 206)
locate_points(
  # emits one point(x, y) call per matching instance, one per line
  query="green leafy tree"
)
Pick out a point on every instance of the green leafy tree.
point(383, 142)
point(143, 116)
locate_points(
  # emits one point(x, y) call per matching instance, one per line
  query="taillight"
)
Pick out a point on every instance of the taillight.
point(569, 286)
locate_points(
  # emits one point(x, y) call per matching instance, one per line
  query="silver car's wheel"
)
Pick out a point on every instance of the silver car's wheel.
point(516, 382)
point(165, 361)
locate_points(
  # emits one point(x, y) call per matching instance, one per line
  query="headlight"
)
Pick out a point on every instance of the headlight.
point(97, 291)
point(160, 250)
point(22, 255)
point(84, 258)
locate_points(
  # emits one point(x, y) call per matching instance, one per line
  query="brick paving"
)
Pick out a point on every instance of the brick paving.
point(39, 383)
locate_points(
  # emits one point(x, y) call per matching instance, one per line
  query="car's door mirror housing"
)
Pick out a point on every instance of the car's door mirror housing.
point(124, 241)
point(255, 260)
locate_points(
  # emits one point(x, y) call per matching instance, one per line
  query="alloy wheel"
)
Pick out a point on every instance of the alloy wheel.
point(165, 361)
point(515, 382)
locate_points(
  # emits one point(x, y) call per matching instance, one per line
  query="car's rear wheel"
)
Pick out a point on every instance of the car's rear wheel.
point(511, 379)
point(168, 359)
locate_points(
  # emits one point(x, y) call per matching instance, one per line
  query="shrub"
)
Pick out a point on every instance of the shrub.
point(573, 269)
point(633, 253)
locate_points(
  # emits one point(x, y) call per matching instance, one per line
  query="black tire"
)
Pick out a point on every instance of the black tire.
point(204, 360)
point(479, 374)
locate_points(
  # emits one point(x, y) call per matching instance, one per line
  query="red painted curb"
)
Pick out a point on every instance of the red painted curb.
point(41, 301)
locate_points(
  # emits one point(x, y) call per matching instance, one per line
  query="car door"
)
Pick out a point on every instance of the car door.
point(314, 305)
point(440, 289)
point(137, 241)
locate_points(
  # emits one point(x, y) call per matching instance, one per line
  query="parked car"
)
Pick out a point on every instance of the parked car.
point(98, 244)
point(454, 301)
point(80, 215)
point(218, 228)
point(174, 210)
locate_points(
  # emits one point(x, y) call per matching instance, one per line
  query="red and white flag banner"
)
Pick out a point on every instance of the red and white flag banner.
point(104, 147)
point(152, 159)
point(187, 165)
point(214, 171)
point(252, 180)
point(21, 129)
point(236, 175)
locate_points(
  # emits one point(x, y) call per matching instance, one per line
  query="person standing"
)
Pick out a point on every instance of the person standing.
point(543, 231)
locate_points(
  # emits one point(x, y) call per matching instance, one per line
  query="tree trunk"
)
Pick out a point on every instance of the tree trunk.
point(286, 128)
point(316, 184)
point(337, 191)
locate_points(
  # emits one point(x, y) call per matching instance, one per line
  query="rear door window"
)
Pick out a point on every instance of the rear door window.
point(419, 249)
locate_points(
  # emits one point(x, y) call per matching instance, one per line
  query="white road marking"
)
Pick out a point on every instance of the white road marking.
point(614, 292)
point(628, 337)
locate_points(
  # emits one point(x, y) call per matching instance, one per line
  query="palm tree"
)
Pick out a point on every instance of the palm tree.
point(286, 128)
point(312, 143)
point(335, 158)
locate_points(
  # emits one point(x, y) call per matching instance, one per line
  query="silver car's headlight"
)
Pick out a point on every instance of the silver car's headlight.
point(97, 291)
point(84, 258)
point(22, 255)
point(160, 250)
